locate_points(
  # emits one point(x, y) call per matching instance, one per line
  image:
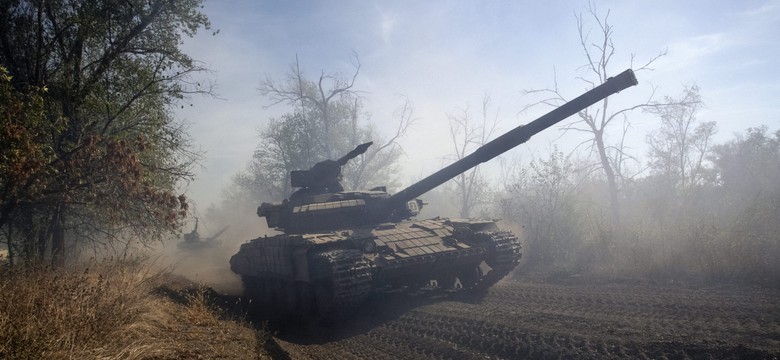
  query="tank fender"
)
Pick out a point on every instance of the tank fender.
point(475, 225)
point(302, 269)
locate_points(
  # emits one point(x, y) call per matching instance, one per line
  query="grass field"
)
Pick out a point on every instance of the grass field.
point(116, 310)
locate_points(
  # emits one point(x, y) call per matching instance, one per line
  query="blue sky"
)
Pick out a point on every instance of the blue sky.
point(445, 55)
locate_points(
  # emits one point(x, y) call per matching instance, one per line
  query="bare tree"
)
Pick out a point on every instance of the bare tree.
point(679, 147)
point(471, 187)
point(327, 121)
point(597, 120)
point(381, 158)
point(317, 101)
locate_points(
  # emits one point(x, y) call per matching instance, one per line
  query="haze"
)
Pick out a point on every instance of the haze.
point(445, 55)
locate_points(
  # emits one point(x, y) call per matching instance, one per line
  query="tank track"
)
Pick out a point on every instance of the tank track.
point(350, 280)
point(269, 296)
point(504, 249)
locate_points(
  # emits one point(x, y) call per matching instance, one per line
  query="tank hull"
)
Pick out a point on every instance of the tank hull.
point(329, 272)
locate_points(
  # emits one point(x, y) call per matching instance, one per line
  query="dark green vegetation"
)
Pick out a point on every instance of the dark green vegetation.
point(89, 150)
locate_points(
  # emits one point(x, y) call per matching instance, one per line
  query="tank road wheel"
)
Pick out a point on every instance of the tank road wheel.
point(460, 278)
point(469, 276)
point(448, 281)
point(504, 252)
point(345, 281)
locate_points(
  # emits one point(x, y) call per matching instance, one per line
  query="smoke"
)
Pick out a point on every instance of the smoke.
point(209, 264)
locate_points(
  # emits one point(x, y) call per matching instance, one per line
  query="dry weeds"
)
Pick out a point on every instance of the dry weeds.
point(113, 310)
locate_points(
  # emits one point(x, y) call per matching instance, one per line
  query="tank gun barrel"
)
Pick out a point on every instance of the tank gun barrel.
point(360, 149)
point(512, 138)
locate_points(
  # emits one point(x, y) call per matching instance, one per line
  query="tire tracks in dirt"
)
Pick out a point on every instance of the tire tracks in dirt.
point(537, 320)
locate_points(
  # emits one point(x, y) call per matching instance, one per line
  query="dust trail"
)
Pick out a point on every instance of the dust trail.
point(209, 265)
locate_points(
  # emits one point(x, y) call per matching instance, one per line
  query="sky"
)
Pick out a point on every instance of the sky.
point(445, 56)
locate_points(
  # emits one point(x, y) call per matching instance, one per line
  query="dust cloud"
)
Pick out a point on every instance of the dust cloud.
point(209, 265)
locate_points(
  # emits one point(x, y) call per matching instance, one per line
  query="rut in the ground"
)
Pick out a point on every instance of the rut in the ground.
point(530, 320)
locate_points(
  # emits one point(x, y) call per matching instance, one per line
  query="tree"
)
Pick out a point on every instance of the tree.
point(471, 187)
point(542, 198)
point(678, 149)
point(379, 163)
point(326, 122)
point(22, 127)
point(748, 167)
point(597, 120)
point(112, 152)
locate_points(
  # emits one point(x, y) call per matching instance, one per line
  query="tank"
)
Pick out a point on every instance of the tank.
point(193, 240)
point(338, 247)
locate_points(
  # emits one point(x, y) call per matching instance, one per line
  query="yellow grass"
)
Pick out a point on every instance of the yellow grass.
point(112, 310)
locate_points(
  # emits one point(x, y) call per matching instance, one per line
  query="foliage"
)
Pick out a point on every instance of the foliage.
point(750, 164)
point(678, 149)
point(327, 121)
point(105, 153)
point(23, 129)
point(722, 228)
point(542, 198)
point(611, 155)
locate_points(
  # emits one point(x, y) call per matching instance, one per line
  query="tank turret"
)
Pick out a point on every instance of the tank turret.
point(324, 176)
point(321, 204)
point(193, 240)
point(339, 246)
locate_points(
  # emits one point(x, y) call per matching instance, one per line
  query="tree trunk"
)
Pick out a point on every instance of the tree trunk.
point(614, 201)
point(43, 239)
point(30, 237)
point(57, 238)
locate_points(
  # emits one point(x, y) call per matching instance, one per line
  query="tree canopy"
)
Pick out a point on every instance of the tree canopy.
point(326, 121)
point(678, 148)
point(100, 155)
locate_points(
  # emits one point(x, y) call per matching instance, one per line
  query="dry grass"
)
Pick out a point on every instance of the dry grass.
point(112, 310)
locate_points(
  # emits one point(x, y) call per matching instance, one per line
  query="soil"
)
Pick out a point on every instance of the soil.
point(543, 320)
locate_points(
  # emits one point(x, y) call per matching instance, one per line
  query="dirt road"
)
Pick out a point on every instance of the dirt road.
point(516, 320)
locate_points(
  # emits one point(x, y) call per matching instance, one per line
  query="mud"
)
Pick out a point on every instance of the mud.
point(515, 320)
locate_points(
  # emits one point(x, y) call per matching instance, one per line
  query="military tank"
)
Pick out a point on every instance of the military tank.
point(338, 247)
point(193, 240)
